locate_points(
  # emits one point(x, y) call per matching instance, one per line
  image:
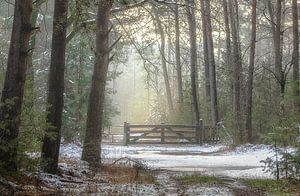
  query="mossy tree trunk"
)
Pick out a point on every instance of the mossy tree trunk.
point(13, 90)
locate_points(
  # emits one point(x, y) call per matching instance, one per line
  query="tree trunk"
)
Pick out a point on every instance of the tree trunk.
point(177, 56)
point(275, 21)
point(205, 51)
point(228, 58)
point(32, 43)
point(51, 142)
point(276, 24)
point(30, 68)
point(237, 66)
point(212, 65)
point(227, 34)
point(248, 126)
point(13, 90)
point(190, 9)
point(92, 141)
point(295, 60)
point(163, 59)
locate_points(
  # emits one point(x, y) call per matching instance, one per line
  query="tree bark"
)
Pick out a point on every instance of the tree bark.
point(51, 142)
point(227, 34)
point(205, 51)
point(248, 111)
point(276, 25)
point(178, 62)
point(237, 66)
point(163, 59)
point(92, 141)
point(212, 66)
point(190, 10)
point(32, 42)
point(30, 67)
point(228, 57)
point(295, 57)
point(13, 90)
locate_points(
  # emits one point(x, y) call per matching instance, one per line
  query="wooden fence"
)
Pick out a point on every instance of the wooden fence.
point(168, 134)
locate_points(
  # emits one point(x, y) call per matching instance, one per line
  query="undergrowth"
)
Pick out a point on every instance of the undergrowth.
point(275, 187)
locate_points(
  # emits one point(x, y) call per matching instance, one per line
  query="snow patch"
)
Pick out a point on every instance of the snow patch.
point(241, 162)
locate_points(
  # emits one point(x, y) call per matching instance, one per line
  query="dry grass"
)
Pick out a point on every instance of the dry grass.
point(74, 173)
point(119, 174)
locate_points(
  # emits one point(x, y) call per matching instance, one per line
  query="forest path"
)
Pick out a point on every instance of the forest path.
point(169, 185)
point(243, 162)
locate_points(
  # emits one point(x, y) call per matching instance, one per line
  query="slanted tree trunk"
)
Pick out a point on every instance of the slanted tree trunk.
point(51, 142)
point(92, 141)
point(13, 90)
point(248, 111)
point(212, 64)
point(190, 10)
point(178, 62)
point(295, 60)
point(163, 58)
point(237, 67)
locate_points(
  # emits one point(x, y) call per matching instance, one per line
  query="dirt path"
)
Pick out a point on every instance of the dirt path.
point(170, 186)
point(167, 184)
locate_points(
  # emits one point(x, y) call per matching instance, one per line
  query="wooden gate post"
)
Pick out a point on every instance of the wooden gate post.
point(201, 125)
point(126, 134)
point(162, 136)
point(197, 133)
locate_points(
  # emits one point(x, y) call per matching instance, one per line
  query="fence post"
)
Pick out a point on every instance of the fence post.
point(197, 133)
point(126, 134)
point(162, 136)
point(201, 126)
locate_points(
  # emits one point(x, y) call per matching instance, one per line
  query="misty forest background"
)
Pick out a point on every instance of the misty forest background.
point(91, 65)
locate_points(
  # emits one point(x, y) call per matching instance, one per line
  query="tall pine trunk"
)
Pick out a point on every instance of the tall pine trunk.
point(212, 66)
point(276, 25)
point(13, 90)
point(228, 57)
point(51, 142)
point(205, 51)
point(32, 42)
point(190, 9)
point(93, 135)
point(177, 58)
point(248, 110)
point(295, 60)
point(237, 67)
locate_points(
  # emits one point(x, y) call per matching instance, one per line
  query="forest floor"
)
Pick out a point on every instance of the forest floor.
point(155, 170)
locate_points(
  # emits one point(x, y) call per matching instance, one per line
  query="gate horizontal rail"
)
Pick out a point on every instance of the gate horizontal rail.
point(167, 134)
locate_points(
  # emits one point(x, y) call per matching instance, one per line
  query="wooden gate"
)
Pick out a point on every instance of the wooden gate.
point(168, 134)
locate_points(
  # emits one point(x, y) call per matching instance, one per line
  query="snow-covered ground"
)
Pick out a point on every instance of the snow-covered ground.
point(242, 162)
